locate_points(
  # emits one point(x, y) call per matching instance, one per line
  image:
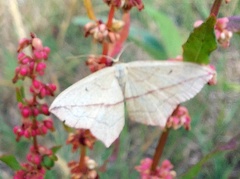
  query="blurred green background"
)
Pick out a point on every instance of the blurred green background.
point(158, 32)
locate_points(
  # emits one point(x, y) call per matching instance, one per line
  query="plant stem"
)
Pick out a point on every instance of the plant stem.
point(110, 17)
point(215, 7)
point(159, 149)
point(89, 9)
point(35, 143)
point(82, 158)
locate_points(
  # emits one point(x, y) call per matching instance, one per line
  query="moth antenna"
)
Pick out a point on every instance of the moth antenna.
point(86, 56)
point(109, 57)
point(121, 52)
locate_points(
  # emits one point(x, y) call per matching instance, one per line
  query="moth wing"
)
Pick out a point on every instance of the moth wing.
point(154, 89)
point(94, 103)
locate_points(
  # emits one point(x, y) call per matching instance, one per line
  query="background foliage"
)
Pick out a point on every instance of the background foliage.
point(157, 32)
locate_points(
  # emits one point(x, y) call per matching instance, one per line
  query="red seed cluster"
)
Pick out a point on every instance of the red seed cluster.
point(30, 171)
point(179, 118)
point(30, 129)
point(163, 171)
point(126, 4)
point(81, 137)
point(89, 170)
point(33, 110)
point(101, 33)
point(96, 63)
point(31, 66)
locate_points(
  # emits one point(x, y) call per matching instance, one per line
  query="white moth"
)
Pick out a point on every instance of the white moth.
point(151, 91)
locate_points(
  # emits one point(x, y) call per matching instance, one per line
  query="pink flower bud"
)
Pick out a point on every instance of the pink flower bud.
point(23, 43)
point(44, 55)
point(18, 131)
point(31, 65)
point(37, 43)
point(37, 84)
point(39, 131)
point(27, 134)
point(21, 56)
point(23, 71)
point(29, 157)
point(17, 69)
point(26, 112)
point(48, 123)
point(37, 159)
point(40, 68)
point(47, 50)
point(35, 111)
point(20, 105)
point(44, 109)
point(33, 133)
point(43, 92)
point(38, 54)
point(52, 87)
point(25, 60)
point(44, 130)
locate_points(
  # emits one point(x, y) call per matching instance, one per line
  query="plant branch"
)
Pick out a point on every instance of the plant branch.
point(89, 8)
point(159, 149)
point(82, 158)
point(215, 8)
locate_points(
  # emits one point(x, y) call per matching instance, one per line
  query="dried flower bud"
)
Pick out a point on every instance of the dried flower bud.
point(37, 44)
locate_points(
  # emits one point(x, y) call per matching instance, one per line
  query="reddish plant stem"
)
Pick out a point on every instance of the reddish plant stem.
point(110, 16)
point(35, 143)
point(159, 149)
point(109, 25)
point(215, 7)
point(104, 53)
point(82, 158)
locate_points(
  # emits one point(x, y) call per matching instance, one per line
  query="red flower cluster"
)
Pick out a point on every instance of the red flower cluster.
point(33, 169)
point(30, 171)
point(81, 137)
point(32, 66)
point(162, 172)
point(179, 118)
point(30, 129)
point(126, 4)
point(88, 172)
point(102, 33)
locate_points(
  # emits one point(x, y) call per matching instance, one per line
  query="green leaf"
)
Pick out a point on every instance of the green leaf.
point(168, 31)
point(201, 43)
point(56, 148)
point(47, 162)
point(20, 94)
point(11, 161)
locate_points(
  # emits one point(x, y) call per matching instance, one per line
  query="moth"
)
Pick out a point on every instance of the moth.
point(150, 90)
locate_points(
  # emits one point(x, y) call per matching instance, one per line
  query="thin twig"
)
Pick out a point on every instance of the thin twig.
point(159, 149)
point(216, 7)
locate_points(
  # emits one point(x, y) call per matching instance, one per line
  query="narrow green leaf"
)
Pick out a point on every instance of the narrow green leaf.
point(11, 161)
point(20, 94)
point(56, 148)
point(168, 31)
point(230, 145)
point(201, 43)
point(47, 162)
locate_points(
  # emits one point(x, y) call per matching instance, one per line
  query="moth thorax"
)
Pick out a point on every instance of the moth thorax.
point(121, 74)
